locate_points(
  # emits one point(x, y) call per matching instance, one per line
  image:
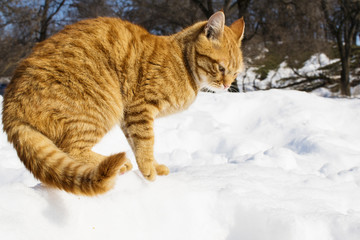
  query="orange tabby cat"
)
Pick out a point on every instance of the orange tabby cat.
point(78, 84)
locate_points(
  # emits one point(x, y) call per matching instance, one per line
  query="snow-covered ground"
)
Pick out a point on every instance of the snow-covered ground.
point(275, 78)
point(266, 165)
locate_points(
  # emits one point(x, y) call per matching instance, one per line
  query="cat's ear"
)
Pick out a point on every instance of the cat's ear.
point(238, 28)
point(215, 26)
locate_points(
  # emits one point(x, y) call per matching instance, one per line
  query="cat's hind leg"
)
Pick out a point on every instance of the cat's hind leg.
point(86, 156)
point(126, 167)
point(90, 157)
point(79, 147)
point(93, 158)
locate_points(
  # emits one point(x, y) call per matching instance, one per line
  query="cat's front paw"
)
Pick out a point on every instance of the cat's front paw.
point(162, 169)
point(148, 170)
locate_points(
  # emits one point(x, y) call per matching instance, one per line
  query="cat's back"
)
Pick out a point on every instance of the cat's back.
point(70, 72)
point(74, 59)
point(99, 35)
point(86, 47)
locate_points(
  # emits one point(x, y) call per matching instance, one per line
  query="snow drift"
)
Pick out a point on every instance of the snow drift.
point(261, 165)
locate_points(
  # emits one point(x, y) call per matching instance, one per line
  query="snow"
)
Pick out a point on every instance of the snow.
point(260, 165)
point(311, 67)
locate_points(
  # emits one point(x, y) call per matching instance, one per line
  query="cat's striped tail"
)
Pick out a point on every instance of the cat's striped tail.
point(57, 169)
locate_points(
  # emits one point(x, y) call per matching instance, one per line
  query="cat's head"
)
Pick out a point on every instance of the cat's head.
point(218, 55)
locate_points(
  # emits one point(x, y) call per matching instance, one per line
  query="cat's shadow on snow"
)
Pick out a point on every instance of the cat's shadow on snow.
point(56, 210)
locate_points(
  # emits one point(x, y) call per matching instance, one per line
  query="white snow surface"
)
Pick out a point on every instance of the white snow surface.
point(265, 165)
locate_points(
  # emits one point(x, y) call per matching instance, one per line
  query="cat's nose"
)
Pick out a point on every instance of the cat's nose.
point(226, 86)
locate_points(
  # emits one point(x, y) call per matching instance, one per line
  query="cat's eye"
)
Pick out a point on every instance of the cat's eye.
point(222, 69)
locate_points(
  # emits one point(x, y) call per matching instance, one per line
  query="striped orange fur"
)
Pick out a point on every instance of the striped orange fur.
point(94, 74)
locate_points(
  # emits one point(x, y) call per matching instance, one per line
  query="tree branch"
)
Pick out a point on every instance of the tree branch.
point(210, 7)
point(55, 12)
point(205, 10)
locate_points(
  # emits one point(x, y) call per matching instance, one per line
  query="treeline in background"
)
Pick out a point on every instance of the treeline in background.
point(279, 33)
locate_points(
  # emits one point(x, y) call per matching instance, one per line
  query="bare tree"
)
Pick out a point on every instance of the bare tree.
point(343, 19)
point(229, 7)
point(46, 13)
point(22, 24)
point(162, 17)
point(18, 29)
point(92, 8)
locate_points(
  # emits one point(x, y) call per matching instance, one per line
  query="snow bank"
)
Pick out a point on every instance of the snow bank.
point(311, 67)
point(261, 165)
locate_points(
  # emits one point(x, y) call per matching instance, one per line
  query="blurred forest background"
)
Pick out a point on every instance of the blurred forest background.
point(278, 32)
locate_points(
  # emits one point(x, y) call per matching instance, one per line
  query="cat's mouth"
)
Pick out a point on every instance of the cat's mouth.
point(215, 88)
point(209, 86)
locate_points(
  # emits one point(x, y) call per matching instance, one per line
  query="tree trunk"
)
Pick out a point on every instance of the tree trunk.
point(345, 75)
point(344, 44)
point(242, 6)
point(45, 18)
point(44, 22)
